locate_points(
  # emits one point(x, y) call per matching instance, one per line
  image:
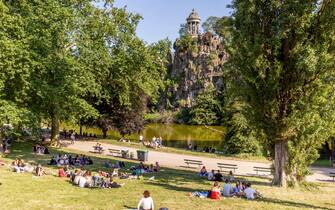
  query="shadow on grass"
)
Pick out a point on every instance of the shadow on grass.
point(291, 203)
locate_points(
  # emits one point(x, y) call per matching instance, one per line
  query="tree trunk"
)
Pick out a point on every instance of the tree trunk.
point(280, 162)
point(80, 130)
point(54, 129)
point(104, 131)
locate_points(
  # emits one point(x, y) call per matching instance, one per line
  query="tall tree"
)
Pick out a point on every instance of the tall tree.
point(58, 80)
point(127, 70)
point(282, 67)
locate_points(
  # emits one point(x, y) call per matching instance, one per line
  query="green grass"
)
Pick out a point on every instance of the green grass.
point(322, 163)
point(169, 189)
point(244, 157)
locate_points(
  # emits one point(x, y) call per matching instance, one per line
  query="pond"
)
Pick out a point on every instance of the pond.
point(174, 135)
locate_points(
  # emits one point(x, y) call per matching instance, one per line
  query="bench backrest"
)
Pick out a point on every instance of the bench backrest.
point(263, 168)
point(114, 150)
point(225, 164)
point(195, 161)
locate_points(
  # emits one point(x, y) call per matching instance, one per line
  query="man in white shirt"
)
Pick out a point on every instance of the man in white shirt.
point(250, 193)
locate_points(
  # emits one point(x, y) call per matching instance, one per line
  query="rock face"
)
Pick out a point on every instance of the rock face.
point(197, 64)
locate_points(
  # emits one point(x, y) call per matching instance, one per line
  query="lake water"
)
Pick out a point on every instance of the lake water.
point(174, 135)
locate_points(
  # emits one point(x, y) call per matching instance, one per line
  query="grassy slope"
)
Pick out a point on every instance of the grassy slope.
point(24, 191)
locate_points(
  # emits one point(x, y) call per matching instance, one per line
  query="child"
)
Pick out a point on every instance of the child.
point(146, 203)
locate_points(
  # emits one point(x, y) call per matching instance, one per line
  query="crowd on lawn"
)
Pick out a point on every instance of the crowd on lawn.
point(19, 166)
point(67, 159)
point(241, 189)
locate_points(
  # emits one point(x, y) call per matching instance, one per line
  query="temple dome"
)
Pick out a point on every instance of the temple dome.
point(193, 16)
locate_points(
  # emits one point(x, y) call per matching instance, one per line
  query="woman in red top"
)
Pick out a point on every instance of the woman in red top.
point(61, 172)
point(215, 192)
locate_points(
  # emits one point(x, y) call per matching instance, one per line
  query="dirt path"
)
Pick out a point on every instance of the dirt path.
point(176, 161)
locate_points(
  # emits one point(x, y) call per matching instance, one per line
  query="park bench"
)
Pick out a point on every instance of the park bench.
point(332, 174)
point(224, 166)
point(263, 169)
point(193, 162)
point(115, 152)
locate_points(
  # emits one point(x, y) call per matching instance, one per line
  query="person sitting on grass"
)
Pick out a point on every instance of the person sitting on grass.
point(18, 165)
point(231, 176)
point(210, 175)
point(227, 189)
point(215, 192)
point(61, 173)
point(250, 193)
point(218, 176)
point(157, 167)
point(146, 203)
point(39, 170)
point(203, 172)
point(238, 189)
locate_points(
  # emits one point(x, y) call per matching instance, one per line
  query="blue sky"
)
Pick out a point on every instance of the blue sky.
point(162, 18)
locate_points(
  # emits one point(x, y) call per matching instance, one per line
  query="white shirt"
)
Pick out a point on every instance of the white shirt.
point(146, 203)
point(82, 182)
point(250, 193)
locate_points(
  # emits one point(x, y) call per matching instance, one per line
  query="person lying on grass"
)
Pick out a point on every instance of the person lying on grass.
point(214, 193)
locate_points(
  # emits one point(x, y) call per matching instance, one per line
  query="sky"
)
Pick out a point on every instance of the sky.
point(162, 18)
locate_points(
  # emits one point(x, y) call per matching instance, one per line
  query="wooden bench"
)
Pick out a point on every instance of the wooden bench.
point(332, 174)
point(193, 162)
point(115, 152)
point(263, 169)
point(230, 167)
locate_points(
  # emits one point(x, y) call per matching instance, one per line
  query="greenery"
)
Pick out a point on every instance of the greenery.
point(169, 189)
point(240, 137)
point(207, 109)
point(281, 65)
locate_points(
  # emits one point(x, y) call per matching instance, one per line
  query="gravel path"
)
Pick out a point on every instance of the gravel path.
point(176, 161)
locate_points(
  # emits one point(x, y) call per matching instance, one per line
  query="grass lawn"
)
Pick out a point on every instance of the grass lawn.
point(187, 152)
point(169, 189)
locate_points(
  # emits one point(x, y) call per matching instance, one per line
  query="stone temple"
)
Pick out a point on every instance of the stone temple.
point(196, 65)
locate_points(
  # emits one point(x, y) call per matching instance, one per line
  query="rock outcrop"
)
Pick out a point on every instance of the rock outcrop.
point(197, 64)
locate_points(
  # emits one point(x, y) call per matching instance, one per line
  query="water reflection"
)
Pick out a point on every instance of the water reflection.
point(174, 135)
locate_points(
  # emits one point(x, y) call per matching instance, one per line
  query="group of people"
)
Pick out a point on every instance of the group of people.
point(241, 189)
point(84, 178)
point(66, 159)
point(216, 175)
point(155, 143)
point(142, 168)
point(40, 149)
point(19, 166)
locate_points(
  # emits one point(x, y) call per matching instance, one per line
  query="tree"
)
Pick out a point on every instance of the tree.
point(210, 24)
point(207, 109)
point(183, 30)
point(240, 138)
point(127, 71)
point(281, 65)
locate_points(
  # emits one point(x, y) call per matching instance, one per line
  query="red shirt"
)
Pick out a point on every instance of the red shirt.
point(215, 195)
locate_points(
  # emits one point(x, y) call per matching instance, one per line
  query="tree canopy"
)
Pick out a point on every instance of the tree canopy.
point(281, 65)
